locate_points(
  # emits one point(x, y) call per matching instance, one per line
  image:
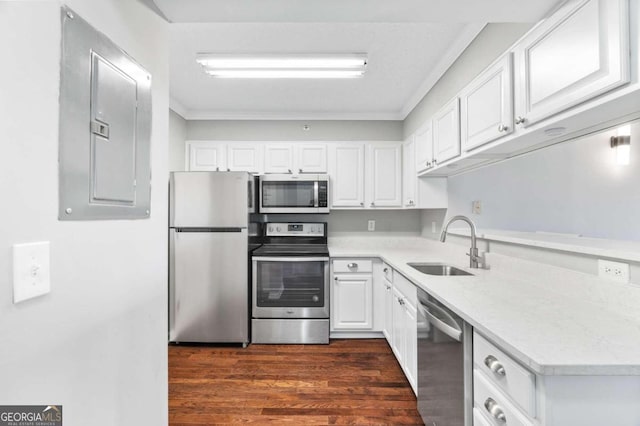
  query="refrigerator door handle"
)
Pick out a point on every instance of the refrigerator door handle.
point(221, 229)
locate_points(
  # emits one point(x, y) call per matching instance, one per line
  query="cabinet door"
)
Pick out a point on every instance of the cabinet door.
point(424, 147)
point(205, 156)
point(244, 157)
point(387, 330)
point(487, 106)
point(409, 176)
point(352, 302)
point(397, 318)
point(577, 54)
point(386, 184)
point(411, 345)
point(347, 175)
point(278, 158)
point(446, 132)
point(311, 158)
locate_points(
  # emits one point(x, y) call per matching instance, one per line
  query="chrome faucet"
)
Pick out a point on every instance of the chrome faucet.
point(474, 259)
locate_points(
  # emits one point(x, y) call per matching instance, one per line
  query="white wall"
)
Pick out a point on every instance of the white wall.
point(492, 41)
point(573, 187)
point(97, 343)
point(291, 130)
point(177, 136)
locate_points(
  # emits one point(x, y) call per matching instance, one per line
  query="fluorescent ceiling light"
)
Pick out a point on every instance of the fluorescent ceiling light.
point(284, 66)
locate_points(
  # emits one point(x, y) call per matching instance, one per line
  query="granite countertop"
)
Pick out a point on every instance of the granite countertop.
point(553, 320)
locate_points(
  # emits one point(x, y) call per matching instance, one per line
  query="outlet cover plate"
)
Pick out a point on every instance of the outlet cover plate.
point(615, 271)
point(31, 266)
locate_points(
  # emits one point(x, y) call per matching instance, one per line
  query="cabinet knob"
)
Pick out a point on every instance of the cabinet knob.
point(335, 278)
point(289, 171)
point(361, 203)
point(352, 265)
point(520, 119)
point(228, 169)
point(495, 410)
point(299, 170)
point(373, 204)
point(217, 169)
point(435, 161)
point(385, 270)
point(494, 365)
point(502, 128)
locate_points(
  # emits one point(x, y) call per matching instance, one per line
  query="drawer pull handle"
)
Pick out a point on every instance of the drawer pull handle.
point(494, 409)
point(385, 270)
point(494, 365)
point(352, 265)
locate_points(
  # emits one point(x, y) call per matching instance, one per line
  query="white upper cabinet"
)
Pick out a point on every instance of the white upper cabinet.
point(578, 53)
point(409, 177)
point(386, 168)
point(346, 168)
point(446, 132)
point(295, 158)
point(486, 105)
point(424, 147)
point(205, 156)
point(311, 158)
point(278, 158)
point(243, 157)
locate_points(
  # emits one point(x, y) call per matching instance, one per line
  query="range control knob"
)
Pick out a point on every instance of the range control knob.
point(278, 229)
point(271, 229)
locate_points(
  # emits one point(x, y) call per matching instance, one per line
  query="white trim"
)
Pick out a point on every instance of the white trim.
point(470, 32)
point(178, 108)
point(258, 115)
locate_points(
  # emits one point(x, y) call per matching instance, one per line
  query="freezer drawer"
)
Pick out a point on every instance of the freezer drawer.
point(208, 286)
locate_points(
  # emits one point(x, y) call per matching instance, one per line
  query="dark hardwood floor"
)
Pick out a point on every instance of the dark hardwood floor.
point(346, 382)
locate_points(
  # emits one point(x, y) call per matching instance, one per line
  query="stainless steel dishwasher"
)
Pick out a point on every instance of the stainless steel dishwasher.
point(445, 361)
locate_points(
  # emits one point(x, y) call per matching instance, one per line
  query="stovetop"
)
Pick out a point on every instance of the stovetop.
point(292, 250)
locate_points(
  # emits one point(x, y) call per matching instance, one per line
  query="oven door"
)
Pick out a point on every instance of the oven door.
point(290, 287)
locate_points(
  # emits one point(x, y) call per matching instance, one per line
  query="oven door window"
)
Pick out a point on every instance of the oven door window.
point(288, 194)
point(290, 284)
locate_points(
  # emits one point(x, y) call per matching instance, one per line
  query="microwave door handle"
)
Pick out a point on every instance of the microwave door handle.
point(315, 194)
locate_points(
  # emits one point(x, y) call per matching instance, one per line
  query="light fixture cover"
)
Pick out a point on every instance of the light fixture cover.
point(283, 65)
point(622, 145)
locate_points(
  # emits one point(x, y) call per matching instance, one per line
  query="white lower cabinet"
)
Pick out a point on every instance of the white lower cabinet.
point(352, 298)
point(352, 295)
point(507, 393)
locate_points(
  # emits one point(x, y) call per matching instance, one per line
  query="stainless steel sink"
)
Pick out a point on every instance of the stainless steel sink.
point(438, 269)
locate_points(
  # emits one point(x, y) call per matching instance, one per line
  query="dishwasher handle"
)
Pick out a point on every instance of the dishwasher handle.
point(452, 330)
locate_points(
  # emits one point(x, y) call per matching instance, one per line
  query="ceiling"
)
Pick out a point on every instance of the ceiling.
point(409, 45)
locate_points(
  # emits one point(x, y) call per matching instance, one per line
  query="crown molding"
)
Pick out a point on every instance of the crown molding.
point(261, 115)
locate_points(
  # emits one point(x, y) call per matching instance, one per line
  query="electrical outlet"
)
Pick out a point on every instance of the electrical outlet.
point(476, 207)
point(615, 271)
point(371, 225)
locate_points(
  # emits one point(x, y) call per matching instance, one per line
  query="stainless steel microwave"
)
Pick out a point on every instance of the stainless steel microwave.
point(284, 193)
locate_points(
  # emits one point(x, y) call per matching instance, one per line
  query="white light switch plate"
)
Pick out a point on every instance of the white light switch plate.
point(31, 276)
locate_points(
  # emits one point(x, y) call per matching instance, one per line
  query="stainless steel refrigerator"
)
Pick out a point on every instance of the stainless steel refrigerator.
point(208, 256)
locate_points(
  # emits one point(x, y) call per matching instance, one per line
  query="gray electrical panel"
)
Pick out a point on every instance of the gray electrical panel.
point(105, 127)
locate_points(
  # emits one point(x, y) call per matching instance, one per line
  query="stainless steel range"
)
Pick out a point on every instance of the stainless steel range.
point(290, 285)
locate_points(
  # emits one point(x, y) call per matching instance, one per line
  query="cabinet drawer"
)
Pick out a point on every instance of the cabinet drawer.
point(505, 373)
point(352, 265)
point(387, 271)
point(407, 288)
point(494, 403)
point(478, 418)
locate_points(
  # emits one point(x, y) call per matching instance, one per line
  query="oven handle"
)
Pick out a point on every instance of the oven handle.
point(290, 259)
